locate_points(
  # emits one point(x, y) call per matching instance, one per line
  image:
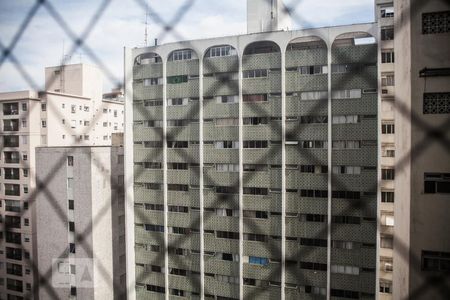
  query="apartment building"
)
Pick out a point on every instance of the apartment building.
point(384, 13)
point(80, 222)
point(70, 112)
point(252, 166)
point(422, 182)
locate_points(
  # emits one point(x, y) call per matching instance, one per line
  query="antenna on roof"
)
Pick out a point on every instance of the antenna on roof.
point(146, 25)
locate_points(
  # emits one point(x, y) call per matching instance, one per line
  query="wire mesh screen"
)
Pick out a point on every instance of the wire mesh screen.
point(239, 177)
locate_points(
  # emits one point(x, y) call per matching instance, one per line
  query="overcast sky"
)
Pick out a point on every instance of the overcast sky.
point(122, 24)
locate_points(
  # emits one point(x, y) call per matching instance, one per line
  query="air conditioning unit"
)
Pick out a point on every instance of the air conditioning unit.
point(388, 267)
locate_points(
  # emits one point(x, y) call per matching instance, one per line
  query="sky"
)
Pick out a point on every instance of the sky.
point(122, 24)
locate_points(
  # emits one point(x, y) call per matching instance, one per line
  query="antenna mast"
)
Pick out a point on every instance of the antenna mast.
point(146, 25)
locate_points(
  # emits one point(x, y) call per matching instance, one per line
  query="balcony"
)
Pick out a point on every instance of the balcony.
point(12, 173)
point(10, 109)
point(12, 189)
point(11, 125)
point(11, 141)
point(12, 157)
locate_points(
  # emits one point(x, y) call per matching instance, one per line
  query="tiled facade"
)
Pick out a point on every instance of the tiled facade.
point(254, 160)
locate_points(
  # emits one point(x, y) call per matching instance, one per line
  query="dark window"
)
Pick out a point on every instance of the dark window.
point(387, 174)
point(344, 294)
point(177, 79)
point(313, 242)
point(387, 197)
point(70, 160)
point(346, 220)
point(387, 33)
point(72, 226)
point(254, 98)
point(435, 261)
point(156, 288)
point(437, 183)
point(71, 248)
point(313, 266)
point(71, 204)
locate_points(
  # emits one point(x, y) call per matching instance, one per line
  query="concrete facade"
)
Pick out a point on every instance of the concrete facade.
point(266, 133)
point(422, 244)
point(80, 240)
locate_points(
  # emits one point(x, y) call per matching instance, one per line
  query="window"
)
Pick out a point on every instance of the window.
point(385, 287)
point(387, 56)
point(262, 261)
point(313, 193)
point(24, 107)
point(316, 95)
point(148, 82)
point(387, 33)
point(255, 98)
point(346, 94)
point(154, 228)
point(177, 101)
point(353, 170)
point(24, 123)
point(227, 99)
point(184, 54)
point(313, 242)
point(313, 119)
point(220, 51)
point(436, 103)
point(177, 123)
point(177, 144)
point(436, 22)
point(386, 242)
point(71, 248)
point(153, 103)
point(10, 109)
point(310, 70)
point(177, 79)
point(387, 12)
point(346, 119)
point(71, 226)
point(226, 145)
point(346, 144)
point(342, 245)
point(437, 183)
point(387, 174)
point(255, 144)
point(388, 128)
point(178, 187)
point(254, 73)
point(388, 80)
point(227, 167)
point(73, 109)
point(43, 106)
point(227, 122)
point(255, 191)
point(227, 235)
point(313, 144)
point(156, 289)
point(344, 294)
point(44, 123)
point(341, 269)
point(70, 161)
point(435, 261)
point(313, 266)
point(387, 197)
point(71, 204)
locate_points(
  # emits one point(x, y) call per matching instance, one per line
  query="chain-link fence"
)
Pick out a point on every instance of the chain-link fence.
point(169, 27)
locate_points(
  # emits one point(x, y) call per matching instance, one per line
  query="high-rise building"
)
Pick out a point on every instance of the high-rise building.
point(384, 13)
point(70, 112)
point(80, 222)
point(422, 175)
point(252, 166)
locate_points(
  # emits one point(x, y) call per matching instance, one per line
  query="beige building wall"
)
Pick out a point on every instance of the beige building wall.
point(422, 227)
